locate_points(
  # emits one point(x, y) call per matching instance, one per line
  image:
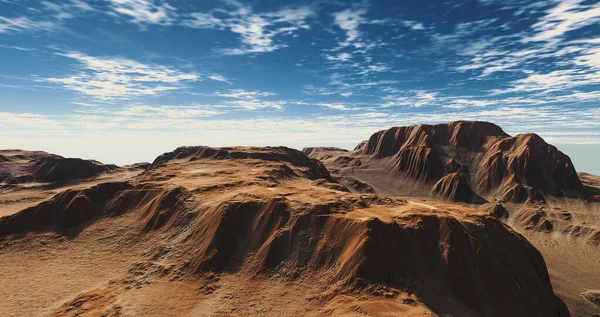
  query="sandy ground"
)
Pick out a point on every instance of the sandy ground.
point(41, 272)
point(96, 273)
point(111, 267)
point(574, 268)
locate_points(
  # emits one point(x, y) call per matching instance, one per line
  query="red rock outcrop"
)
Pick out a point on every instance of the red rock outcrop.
point(315, 169)
point(476, 264)
point(218, 214)
point(454, 187)
point(527, 160)
point(459, 134)
point(494, 164)
point(497, 210)
point(73, 209)
point(52, 169)
point(19, 166)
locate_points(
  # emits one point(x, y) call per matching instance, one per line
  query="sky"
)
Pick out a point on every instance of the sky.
point(122, 81)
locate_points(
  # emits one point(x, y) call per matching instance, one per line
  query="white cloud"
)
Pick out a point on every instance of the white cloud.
point(250, 100)
point(583, 70)
point(18, 48)
point(16, 87)
point(341, 57)
point(243, 94)
point(25, 24)
point(120, 78)
point(568, 15)
point(411, 98)
point(255, 104)
point(84, 104)
point(460, 103)
point(590, 58)
point(144, 12)
point(337, 106)
point(377, 68)
point(82, 5)
point(574, 59)
point(50, 17)
point(116, 137)
point(218, 77)
point(349, 20)
point(352, 58)
point(259, 32)
point(417, 26)
point(424, 98)
point(66, 9)
point(170, 112)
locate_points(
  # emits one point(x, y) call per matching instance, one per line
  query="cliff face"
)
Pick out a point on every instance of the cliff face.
point(454, 187)
point(459, 134)
point(271, 213)
point(527, 161)
point(491, 163)
point(421, 151)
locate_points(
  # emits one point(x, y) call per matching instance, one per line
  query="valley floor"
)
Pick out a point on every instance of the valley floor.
point(574, 267)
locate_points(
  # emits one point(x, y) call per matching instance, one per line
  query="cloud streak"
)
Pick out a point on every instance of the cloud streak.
point(144, 12)
point(114, 78)
point(250, 100)
point(49, 17)
point(259, 32)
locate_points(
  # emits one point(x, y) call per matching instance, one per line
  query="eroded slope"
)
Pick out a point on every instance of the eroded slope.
point(216, 224)
point(477, 157)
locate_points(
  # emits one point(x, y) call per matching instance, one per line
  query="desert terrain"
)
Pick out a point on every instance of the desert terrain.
point(457, 219)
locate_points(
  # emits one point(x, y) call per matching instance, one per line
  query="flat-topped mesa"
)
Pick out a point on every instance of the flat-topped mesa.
point(52, 169)
point(477, 264)
point(267, 153)
point(463, 134)
point(418, 150)
point(18, 166)
point(491, 162)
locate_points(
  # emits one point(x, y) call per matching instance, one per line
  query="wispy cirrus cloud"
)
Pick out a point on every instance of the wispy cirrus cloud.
point(250, 100)
point(114, 78)
point(410, 98)
point(338, 106)
point(346, 128)
point(567, 16)
point(143, 111)
point(18, 48)
point(545, 55)
point(243, 94)
point(144, 12)
point(341, 57)
point(219, 77)
point(24, 24)
point(351, 61)
point(171, 111)
point(259, 32)
point(48, 17)
point(345, 86)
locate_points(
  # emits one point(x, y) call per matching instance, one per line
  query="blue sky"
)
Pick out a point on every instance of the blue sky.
point(125, 80)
